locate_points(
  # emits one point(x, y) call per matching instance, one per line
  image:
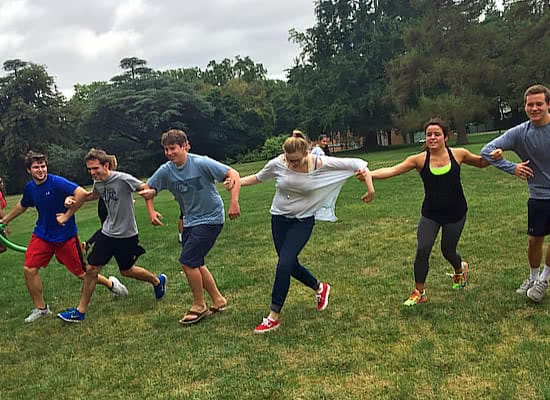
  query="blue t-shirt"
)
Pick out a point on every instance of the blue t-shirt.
point(48, 198)
point(194, 187)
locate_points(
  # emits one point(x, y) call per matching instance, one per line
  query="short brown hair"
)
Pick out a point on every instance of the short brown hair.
point(536, 89)
point(32, 157)
point(99, 155)
point(173, 136)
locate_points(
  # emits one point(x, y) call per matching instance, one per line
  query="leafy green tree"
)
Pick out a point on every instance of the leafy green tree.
point(31, 117)
point(449, 63)
point(134, 68)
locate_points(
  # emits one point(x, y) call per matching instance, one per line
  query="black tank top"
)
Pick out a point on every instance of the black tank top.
point(444, 200)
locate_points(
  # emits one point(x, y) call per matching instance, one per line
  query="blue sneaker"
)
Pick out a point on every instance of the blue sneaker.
point(160, 289)
point(72, 315)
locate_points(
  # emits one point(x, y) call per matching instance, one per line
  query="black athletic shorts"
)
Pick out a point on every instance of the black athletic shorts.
point(538, 217)
point(126, 251)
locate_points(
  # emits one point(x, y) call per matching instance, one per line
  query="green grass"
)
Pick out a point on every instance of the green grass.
point(484, 342)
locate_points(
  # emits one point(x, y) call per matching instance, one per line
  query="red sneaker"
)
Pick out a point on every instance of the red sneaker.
point(322, 296)
point(267, 325)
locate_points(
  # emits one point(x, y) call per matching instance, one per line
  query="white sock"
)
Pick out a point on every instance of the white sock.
point(545, 274)
point(534, 273)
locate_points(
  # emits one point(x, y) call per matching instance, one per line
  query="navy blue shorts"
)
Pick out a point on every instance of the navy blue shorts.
point(125, 250)
point(197, 242)
point(538, 217)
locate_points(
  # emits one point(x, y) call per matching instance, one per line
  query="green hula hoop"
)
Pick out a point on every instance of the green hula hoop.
point(6, 242)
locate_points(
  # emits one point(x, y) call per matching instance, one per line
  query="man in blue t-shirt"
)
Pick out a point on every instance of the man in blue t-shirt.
point(192, 181)
point(55, 232)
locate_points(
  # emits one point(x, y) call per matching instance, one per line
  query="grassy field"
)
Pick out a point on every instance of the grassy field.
point(485, 342)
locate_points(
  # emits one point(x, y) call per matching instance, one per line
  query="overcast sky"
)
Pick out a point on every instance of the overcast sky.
point(82, 41)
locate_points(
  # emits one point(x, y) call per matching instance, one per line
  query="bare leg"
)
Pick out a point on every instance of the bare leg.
point(194, 277)
point(209, 284)
point(90, 282)
point(141, 274)
point(101, 280)
point(34, 286)
point(534, 250)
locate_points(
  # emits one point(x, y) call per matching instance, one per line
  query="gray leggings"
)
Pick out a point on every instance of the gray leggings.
point(426, 234)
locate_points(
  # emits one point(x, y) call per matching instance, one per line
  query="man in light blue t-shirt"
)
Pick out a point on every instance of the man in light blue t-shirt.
point(192, 180)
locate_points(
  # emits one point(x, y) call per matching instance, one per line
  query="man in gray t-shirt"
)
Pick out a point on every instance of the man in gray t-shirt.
point(119, 233)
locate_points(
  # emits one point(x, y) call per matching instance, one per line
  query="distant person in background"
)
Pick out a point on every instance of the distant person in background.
point(47, 193)
point(3, 205)
point(530, 140)
point(322, 148)
point(444, 206)
point(303, 182)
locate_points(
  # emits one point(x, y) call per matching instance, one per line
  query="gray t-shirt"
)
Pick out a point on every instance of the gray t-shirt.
point(116, 192)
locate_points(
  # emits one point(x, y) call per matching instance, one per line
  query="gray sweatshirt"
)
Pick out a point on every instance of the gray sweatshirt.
point(531, 143)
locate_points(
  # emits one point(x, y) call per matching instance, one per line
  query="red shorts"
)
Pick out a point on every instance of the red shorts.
point(39, 253)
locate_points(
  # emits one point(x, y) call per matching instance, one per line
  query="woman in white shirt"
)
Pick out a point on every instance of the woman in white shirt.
point(303, 182)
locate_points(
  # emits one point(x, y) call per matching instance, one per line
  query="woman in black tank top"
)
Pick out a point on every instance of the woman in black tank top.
point(444, 205)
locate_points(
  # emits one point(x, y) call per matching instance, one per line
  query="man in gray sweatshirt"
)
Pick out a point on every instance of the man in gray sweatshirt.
point(530, 140)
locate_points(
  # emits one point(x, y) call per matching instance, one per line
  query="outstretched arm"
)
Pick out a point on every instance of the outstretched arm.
point(407, 165)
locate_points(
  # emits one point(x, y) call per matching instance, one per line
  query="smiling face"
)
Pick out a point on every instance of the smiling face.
point(98, 171)
point(536, 109)
point(435, 138)
point(38, 171)
point(176, 153)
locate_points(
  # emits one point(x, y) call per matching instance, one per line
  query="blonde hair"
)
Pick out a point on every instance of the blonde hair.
point(295, 144)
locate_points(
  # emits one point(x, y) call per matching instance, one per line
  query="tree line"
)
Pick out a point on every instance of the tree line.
point(365, 66)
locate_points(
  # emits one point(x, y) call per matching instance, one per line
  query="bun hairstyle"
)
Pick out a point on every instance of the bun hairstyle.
point(296, 143)
point(298, 134)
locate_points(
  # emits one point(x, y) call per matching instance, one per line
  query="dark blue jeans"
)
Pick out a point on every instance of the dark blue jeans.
point(290, 235)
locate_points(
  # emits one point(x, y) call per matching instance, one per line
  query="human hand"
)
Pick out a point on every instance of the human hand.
point(523, 171)
point(61, 218)
point(228, 183)
point(69, 201)
point(147, 194)
point(497, 154)
point(367, 197)
point(234, 211)
point(360, 175)
point(155, 218)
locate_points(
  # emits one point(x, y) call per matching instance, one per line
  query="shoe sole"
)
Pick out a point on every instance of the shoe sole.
point(536, 300)
point(37, 318)
point(73, 321)
point(267, 330)
point(326, 299)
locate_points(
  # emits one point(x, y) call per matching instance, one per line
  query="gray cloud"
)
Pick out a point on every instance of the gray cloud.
point(82, 42)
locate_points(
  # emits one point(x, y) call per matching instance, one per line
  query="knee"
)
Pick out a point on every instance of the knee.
point(423, 252)
point(92, 271)
point(30, 272)
point(126, 272)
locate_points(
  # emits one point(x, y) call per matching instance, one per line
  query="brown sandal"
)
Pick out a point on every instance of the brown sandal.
point(198, 315)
